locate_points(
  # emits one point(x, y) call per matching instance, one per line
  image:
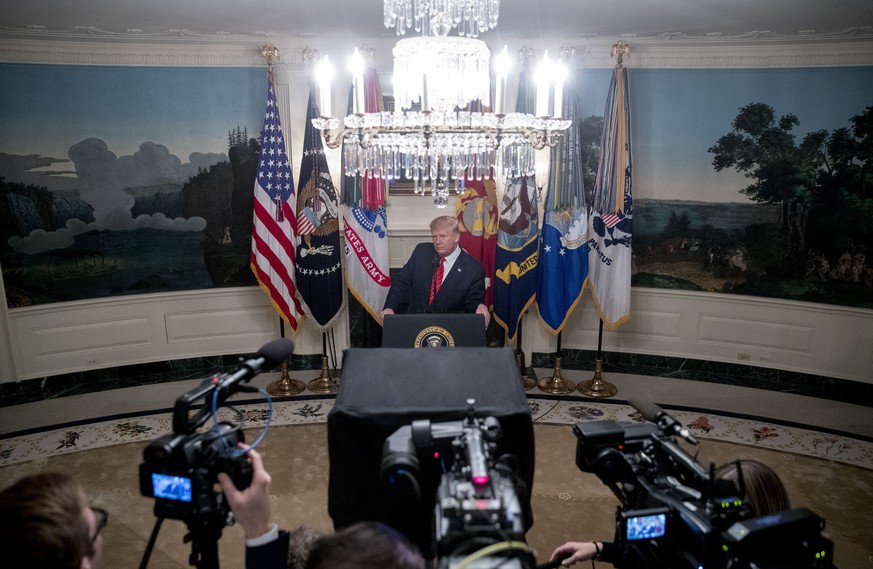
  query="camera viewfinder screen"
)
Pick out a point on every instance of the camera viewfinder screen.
point(171, 487)
point(646, 527)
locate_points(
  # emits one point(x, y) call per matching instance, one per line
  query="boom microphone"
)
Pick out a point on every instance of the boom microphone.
point(668, 424)
point(268, 356)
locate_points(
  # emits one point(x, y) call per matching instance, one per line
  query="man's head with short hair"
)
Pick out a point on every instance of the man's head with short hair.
point(46, 523)
point(365, 545)
point(445, 234)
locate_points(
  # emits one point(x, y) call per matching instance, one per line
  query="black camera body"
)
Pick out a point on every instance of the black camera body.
point(477, 502)
point(180, 471)
point(675, 514)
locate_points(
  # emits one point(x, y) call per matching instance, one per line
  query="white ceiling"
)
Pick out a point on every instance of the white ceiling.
point(352, 20)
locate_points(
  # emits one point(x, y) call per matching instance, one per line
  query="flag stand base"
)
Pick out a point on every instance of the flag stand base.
point(285, 386)
point(526, 382)
point(324, 383)
point(556, 383)
point(596, 387)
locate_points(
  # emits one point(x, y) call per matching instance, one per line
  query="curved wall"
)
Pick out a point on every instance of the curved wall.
point(53, 339)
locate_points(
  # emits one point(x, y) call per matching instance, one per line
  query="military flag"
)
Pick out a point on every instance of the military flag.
point(319, 264)
point(366, 225)
point(563, 260)
point(477, 221)
point(515, 265)
point(611, 227)
point(274, 231)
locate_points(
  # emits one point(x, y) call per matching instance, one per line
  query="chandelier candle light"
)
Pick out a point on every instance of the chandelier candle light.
point(434, 138)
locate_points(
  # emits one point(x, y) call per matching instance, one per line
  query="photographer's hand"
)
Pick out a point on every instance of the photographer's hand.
point(574, 551)
point(251, 507)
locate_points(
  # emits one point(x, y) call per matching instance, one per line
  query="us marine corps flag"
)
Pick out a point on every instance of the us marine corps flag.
point(319, 265)
point(477, 222)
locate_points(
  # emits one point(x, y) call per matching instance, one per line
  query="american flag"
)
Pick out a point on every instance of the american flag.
point(611, 219)
point(274, 233)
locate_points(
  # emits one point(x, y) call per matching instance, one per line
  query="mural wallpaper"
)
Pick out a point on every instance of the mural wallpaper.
point(750, 181)
point(121, 180)
point(95, 200)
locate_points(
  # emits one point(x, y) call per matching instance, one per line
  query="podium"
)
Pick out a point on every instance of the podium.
point(384, 389)
point(433, 330)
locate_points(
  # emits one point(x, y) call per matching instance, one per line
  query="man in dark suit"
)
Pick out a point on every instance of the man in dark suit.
point(440, 277)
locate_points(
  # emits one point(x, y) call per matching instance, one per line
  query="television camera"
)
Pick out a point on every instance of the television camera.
point(180, 470)
point(675, 514)
point(479, 517)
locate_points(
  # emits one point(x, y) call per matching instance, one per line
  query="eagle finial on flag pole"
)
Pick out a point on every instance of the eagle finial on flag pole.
point(619, 50)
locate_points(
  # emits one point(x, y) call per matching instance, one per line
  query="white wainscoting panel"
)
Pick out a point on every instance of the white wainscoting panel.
point(67, 337)
point(833, 341)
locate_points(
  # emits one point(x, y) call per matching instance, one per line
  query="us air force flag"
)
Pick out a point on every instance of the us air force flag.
point(319, 265)
point(563, 262)
point(612, 211)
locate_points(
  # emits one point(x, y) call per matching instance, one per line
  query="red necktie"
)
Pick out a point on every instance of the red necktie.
point(437, 279)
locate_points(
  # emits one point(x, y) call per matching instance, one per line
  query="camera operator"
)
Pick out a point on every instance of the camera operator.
point(765, 494)
point(46, 523)
point(366, 545)
point(266, 545)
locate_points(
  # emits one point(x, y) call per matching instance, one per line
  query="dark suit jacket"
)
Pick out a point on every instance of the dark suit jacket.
point(273, 555)
point(462, 290)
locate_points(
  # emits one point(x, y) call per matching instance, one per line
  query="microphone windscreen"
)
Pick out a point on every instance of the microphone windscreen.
point(276, 351)
point(647, 409)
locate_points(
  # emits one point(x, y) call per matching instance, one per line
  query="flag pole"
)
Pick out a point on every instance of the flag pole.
point(527, 382)
point(596, 387)
point(285, 386)
point(324, 383)
point(556, 383)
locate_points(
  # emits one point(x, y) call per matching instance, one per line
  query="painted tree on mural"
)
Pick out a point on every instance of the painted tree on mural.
point(820, 185)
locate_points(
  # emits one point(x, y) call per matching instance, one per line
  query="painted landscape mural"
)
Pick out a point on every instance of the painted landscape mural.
point(127, 180)
point(92, 206)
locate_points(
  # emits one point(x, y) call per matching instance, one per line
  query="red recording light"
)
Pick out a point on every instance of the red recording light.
point(480, 480)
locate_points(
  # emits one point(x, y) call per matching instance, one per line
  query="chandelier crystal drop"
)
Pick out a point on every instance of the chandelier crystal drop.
point(470, 17)
point(443, 129)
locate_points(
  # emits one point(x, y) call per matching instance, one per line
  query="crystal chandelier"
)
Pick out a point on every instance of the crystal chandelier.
point(438, 136)
point(469, 16)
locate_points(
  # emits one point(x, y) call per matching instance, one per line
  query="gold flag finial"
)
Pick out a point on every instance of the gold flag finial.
point(524, 55)
point(310, 54)
point(270, 51)
point(619, 50)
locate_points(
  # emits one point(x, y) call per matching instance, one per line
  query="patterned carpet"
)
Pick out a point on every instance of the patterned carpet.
point(704, 424)
point(830, 473)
